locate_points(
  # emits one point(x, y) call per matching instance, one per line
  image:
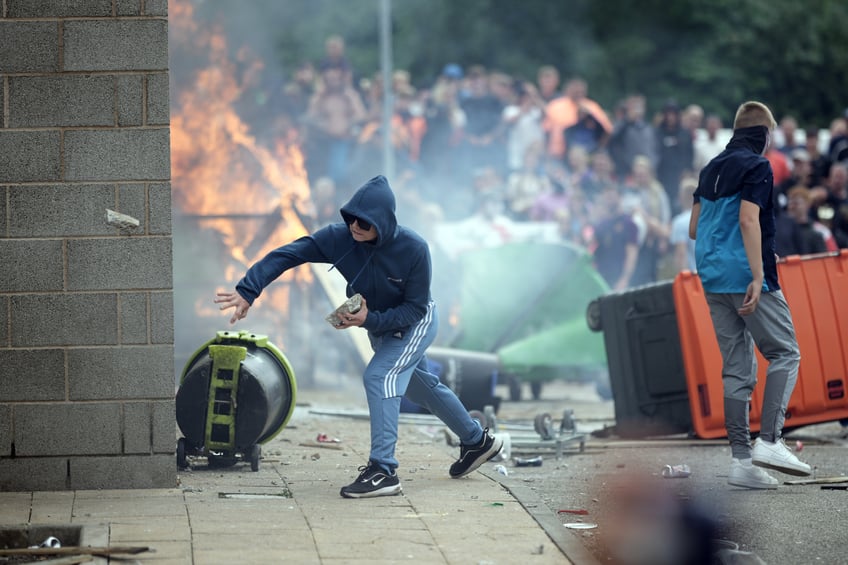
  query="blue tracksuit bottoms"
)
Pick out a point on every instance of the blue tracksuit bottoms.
point(398, 368)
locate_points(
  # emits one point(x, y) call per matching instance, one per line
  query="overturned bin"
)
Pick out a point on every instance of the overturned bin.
point(236, 392)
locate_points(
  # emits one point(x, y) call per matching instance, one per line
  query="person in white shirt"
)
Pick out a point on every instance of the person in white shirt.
point(683, 247)
point(709, 145)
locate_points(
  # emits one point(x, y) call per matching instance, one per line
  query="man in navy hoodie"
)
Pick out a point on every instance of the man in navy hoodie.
point(389, 265)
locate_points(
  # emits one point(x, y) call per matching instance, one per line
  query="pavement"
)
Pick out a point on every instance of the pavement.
point(290, 510)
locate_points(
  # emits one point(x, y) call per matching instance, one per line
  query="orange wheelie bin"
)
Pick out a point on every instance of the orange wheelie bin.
point(816, 289)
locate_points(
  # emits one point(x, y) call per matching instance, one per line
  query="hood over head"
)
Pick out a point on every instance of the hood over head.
point(754, 138)
point(374, 202)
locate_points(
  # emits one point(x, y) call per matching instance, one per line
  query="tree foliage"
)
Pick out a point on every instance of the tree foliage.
point(712, 52)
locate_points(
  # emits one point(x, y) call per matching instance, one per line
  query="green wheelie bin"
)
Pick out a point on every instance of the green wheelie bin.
point(236, 392)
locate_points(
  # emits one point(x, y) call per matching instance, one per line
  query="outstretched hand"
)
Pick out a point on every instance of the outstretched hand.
point(233, 300)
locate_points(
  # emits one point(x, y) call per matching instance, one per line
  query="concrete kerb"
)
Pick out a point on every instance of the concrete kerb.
point(572, 548)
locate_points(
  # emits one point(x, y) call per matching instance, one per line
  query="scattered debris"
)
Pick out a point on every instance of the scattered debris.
point(676, 471)
point(75, 550)
point(325, 445)
point(528, 462)
point(818, 481)
point(121, 221)
point(430, 431)
point(324, 438)
point(255, 495)
point(451, 439)
point(737, 557)
point(538, 551)
point(719, 544)
point(49, 542)
point(502, 470)
point(567, 424)
point(578, 511)
point(70, 560)
point(580, 525)
point(799, 446)
point(506, 451)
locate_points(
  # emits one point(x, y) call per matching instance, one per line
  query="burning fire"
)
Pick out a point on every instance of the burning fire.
point(222, 176)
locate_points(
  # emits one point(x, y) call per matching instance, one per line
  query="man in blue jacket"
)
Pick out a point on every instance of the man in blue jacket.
point(389, 265)
point(733, 226)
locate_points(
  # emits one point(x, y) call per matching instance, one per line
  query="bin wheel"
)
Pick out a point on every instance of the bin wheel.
point(491, 419)
point(543, 424)
point(182, 463)
point(514, 389)
point(255, 454)
point(604, 389)
point(593, 315)
point(479, 416)
point(536, 389)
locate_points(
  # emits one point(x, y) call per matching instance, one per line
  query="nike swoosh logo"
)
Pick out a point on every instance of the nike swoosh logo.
point(376, 482)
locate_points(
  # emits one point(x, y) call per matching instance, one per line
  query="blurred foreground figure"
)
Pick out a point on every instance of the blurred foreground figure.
point(652, 525)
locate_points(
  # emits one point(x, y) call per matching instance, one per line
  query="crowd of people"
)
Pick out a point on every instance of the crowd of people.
point(485, 150)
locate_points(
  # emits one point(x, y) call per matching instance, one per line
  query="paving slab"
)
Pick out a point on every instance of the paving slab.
point(291, 510)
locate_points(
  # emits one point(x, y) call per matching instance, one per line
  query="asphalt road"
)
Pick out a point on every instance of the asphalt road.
point(618, 486)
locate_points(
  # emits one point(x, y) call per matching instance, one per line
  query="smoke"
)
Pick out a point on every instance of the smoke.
point(232, 71)
point(239, 190)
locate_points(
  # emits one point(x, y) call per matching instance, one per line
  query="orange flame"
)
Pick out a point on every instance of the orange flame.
point(221, 175)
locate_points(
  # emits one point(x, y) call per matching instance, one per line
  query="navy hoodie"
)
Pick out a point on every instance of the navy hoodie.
point(391, 272)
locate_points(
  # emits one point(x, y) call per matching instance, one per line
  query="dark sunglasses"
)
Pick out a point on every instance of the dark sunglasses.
point(363, 225)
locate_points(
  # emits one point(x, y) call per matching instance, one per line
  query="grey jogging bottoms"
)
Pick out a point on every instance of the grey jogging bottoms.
point(770, 328)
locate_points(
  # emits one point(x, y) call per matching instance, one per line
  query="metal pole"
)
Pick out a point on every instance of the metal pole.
point(388, 95)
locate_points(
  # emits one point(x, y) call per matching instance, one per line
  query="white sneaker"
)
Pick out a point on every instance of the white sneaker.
point(778, 457)
point(744, 474)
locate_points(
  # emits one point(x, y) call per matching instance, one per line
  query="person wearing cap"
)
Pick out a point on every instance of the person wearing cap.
point(389, 266)
point(733, 226)
point(452, 71)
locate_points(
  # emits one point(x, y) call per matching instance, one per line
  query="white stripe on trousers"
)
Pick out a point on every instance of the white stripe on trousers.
point(418, 333)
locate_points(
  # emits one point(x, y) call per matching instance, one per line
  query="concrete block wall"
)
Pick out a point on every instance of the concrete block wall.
point(86, 311)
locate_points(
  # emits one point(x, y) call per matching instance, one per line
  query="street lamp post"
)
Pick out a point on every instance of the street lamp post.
point(388, 95)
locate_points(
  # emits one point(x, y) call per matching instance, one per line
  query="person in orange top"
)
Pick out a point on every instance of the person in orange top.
point(779, 165)
point(562, 113)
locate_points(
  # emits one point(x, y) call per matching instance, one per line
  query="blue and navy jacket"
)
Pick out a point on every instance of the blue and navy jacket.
point(740, 172)
point(392, 272)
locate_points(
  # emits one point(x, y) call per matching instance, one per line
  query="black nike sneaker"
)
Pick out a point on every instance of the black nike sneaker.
point(472, 456)
point(372, 481)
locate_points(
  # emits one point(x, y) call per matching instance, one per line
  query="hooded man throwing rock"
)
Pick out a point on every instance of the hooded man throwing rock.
point(389, 266)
